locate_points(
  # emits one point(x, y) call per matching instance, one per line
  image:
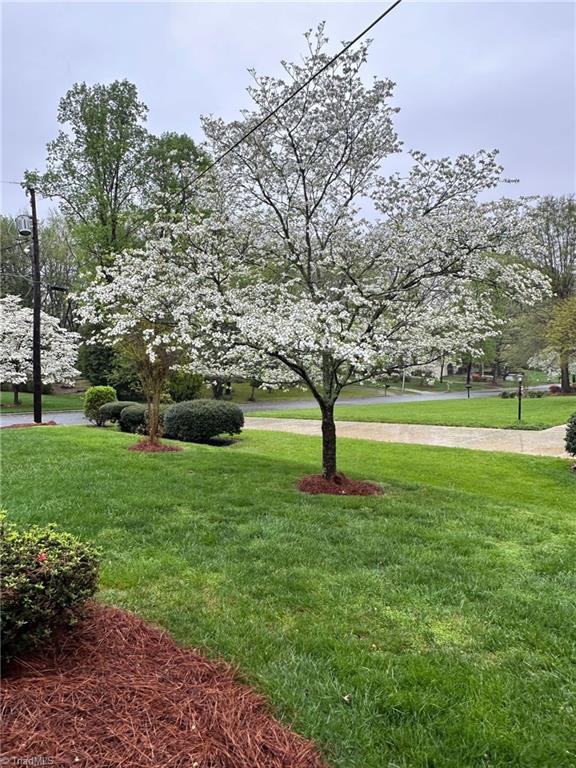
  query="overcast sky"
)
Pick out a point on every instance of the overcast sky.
point(469, 75)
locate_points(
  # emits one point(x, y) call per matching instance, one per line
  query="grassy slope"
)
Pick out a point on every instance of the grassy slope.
point(482, 412)
point(443, 609)
point(71, 402)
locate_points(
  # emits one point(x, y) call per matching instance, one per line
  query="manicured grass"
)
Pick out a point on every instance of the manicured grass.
point(67, 402)
point(537, 413)
point(432, 626)
point(241, 393)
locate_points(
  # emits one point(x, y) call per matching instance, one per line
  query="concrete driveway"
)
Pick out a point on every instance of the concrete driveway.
point(547, 442)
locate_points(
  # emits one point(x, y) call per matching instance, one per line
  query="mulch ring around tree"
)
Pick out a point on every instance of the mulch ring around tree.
point(30, 424)
point(339, 485)
point(145, 446)
point(115, 691)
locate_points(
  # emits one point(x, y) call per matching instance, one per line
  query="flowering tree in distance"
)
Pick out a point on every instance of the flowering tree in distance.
point(59, 347)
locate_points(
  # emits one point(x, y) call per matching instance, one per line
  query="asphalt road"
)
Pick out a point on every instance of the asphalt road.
point(77, 417)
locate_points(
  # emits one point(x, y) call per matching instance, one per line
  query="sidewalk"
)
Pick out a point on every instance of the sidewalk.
point(547, 442)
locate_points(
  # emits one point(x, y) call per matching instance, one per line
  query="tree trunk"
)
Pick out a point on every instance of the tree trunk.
point(16, 393)
point(217, 390)
point(442, 369)
point(564, 373)
point(328, 441)
point(154, 417)
point(469, 372)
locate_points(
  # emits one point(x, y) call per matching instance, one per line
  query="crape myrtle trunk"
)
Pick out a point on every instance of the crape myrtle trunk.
point(16, 393)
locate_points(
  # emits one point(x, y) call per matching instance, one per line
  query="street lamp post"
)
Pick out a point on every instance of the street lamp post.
point(27, 227)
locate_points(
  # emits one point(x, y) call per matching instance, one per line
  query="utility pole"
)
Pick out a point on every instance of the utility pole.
point(36, 358)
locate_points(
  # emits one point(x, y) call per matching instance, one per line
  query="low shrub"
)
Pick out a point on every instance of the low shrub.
point(535, 393)
point(132, 418)
point(196, 421)
point(554, 389)
point(94, 398)
point(571, 435)
point(45, 578)
point(111, 411)
point(508, 393)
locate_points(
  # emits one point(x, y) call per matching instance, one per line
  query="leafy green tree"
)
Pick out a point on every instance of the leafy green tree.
point(173, 160)
point(58, 266)
point(561, 336)
point(96, 166)
point(553, 251)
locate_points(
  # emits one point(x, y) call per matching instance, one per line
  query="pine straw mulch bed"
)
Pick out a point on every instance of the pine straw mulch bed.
point(340, 485)
point(115, 691)
point(145, 446)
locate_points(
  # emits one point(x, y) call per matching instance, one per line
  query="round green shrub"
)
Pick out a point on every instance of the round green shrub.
point(46, 576)
point(132, 418)
point(111, 411)
point(571, 435)
point(196, 421)
point(94, 398)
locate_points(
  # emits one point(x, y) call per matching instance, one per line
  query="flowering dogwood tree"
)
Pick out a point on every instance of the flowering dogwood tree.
point(59, 347)
point(286, 277)
point(339, 299)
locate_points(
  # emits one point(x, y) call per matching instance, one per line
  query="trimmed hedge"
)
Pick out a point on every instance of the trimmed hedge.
point(571, 435)
point(111, 411)
point(46, 576)
point(196, 421)
point(94, 398)
point(132, 418)
point(531, 394)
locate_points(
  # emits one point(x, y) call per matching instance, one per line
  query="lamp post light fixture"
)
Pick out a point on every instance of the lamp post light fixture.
point(468, 388)
point(24, 225)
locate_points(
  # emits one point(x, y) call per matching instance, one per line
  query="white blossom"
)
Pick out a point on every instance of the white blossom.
point(59, 347)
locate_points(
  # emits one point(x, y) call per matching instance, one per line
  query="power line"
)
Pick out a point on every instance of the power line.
point(282, 104)
point(291, 96)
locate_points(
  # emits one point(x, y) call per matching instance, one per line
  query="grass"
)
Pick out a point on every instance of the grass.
point(241, 393)
point(65, 402)
point(443, 611)
point(537, 413)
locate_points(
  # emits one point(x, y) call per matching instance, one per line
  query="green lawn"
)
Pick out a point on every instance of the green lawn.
point(67, 402)
point(443, 611)
point(537, 413)
point(241, 393)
